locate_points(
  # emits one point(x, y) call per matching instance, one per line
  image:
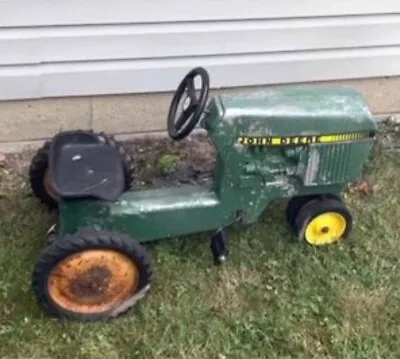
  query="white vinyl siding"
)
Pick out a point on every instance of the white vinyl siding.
point(72, 48)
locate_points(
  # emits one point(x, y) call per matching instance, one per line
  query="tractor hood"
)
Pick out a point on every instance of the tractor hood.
point(294, 111)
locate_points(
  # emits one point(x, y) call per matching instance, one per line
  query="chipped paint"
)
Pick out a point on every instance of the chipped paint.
point(300, 170)
point(239, 147)
point(312, 167)
point(144, 203)
point(304, 110)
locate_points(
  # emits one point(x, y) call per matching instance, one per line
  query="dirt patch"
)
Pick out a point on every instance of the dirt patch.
point(389, 136)
point(361, 302)
point(196, 161)
point(227, 295)
point(361, 307)
point(11, 181)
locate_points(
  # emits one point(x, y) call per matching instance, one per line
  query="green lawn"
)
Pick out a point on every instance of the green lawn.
point(274, 298)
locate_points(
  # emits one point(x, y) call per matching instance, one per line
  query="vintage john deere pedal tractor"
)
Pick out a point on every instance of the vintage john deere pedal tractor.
point(303, 144)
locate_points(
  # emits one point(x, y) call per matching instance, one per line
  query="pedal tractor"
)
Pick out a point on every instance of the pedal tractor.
point(303, 144)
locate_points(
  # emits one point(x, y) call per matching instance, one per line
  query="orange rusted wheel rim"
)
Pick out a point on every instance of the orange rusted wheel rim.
point(93, 281)
point(48, 185)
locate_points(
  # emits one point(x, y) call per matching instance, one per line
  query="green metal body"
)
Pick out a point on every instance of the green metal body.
point(270, 144)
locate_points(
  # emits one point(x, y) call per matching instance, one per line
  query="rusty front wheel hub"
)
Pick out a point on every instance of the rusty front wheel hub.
point(93, 281)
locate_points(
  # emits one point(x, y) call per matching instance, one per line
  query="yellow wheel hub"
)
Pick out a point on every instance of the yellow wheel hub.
point(93, 281)
point(325, 229)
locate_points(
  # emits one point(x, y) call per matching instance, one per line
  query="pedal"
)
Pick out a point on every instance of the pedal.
point(219, 246)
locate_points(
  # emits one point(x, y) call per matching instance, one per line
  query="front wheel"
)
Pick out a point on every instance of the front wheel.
point(323, 221)
point(91, 276)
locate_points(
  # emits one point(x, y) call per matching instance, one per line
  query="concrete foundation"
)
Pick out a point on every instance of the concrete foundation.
point(28, 123)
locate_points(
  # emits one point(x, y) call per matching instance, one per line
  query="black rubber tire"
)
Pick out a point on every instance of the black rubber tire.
point(61, 248)
point(316, 207)
point(296, 203)
point(40, 162)
point(37, 171)
point(127, 159)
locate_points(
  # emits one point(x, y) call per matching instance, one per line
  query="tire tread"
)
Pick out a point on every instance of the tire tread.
point(88, 239)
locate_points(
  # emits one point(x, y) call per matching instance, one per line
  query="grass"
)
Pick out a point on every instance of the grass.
point(274, 298)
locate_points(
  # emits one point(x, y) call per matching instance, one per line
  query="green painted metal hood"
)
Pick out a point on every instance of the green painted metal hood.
point(299, 110)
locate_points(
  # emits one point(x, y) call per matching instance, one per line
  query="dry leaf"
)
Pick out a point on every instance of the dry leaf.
point(363, 186)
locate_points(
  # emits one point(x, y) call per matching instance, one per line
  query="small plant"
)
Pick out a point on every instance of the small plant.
point(167, 164)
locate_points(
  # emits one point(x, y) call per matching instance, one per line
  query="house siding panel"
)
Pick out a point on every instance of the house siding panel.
point(51, 50)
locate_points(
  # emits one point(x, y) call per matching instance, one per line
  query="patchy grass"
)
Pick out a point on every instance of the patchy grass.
point(274, 298)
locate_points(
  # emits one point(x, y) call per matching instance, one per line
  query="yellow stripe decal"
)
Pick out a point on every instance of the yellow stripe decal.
point(303, 140)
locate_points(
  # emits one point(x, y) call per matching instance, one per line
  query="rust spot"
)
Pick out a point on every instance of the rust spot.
point(91, 284)
point(93, 281)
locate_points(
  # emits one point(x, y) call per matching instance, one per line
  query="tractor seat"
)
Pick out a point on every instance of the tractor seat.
point(83, 166)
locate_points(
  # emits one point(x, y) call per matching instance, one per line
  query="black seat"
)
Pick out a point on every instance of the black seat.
point(83, 166)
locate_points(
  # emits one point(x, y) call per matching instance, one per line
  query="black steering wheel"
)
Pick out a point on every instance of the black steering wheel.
point(184, 115)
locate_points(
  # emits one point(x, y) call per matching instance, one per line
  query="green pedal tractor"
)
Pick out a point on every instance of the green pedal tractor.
point(303, 144)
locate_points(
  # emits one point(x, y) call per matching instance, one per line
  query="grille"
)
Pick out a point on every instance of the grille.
point(335, 163)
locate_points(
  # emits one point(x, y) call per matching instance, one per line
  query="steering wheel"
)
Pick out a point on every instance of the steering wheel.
point(184, 115)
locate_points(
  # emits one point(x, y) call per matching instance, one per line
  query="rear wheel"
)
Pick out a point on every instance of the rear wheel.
point(40, 176)
point(91, 275)
point(323, 221)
